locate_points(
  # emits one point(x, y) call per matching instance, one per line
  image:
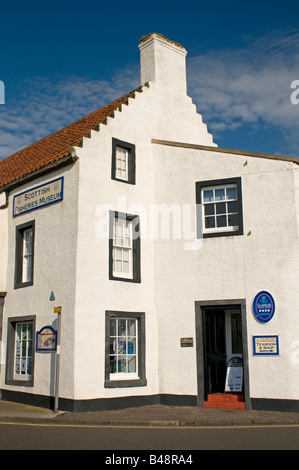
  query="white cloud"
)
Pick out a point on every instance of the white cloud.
point(43, 106)
point(249, 87)
point(245, 89)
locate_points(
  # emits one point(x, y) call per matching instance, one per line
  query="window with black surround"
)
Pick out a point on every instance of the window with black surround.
point(20, 351)
point(24, 257)
point(219, 207)
point(124, 247)
point(125, 349)
point(123, 161)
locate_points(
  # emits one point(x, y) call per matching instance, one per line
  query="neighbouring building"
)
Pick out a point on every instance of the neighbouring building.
point(175, 262)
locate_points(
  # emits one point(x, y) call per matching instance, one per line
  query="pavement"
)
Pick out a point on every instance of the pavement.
point(155, 415)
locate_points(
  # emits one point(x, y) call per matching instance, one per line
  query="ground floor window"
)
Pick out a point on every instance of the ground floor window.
point(125, 349)
point(20, 351)
point(23, 350)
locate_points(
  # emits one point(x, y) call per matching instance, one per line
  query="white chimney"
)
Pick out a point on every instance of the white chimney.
point(164, 62)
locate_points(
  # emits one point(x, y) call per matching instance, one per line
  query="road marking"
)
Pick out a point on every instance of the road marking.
point(115, 426)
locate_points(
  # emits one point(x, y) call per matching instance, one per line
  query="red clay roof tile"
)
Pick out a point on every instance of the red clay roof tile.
point(54, 147)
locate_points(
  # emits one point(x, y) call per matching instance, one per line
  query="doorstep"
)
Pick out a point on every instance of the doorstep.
point(227, 401)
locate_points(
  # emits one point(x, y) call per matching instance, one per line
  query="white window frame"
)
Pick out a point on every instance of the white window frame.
point(214, 202)
point(122, 163)
point(122, 244)
point(115, 340)
point(19, 350)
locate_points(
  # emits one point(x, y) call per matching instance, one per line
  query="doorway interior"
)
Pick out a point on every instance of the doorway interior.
point(221, 335)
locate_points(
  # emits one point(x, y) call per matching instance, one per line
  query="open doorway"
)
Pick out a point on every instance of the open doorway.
point(221, 336)
point(222, 342)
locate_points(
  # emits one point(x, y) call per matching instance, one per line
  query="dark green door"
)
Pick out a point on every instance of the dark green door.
point(215, 351)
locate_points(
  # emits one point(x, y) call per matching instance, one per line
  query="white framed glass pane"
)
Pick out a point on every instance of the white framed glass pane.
point(131, 345)
point(210, 222)
point(17, 366)
point(113, 327)
point(221, 208)
point(121, 365)
point(231, 193)
point(220, 194)
point(29, 366)
point(118, 266)
point(112, 345)
point(118, 254)
point(113, 363)
point(122, 248)
point(121, 163)
point(221, 221)
point(132, 365)
point(122, 327)
point(233, 220)
point(122, 345)
point(132, 327)
point(27, 255)
point(208, 195)
point(23, 350)
point(125, 267)
point(232, 207)
point(123, 357)
point(209, 209)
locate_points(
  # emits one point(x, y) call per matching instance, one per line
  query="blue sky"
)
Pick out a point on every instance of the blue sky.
point(62, 59)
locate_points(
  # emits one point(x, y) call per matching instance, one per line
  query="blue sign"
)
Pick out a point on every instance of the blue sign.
point(265, 345)
point(46, 339)
point(263, 307)
point(39, 196)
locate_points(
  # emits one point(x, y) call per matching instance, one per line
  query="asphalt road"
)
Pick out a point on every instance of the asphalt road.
point(15, 436)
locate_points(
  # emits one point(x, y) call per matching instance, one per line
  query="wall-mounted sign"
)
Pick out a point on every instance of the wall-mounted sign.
point(39, 196)
point(265, 345)
point(46, 339)
point(263, 307)
point(186, 342)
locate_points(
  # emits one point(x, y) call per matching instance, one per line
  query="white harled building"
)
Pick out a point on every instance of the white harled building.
point(174, 261)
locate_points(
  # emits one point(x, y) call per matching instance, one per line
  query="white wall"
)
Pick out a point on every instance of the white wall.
point(174, 278)
point(72, 260)
point(54, 270)
point(146, 116)
point(264, 258)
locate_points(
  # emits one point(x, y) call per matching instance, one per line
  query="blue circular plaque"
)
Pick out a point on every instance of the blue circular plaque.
point(263, 307)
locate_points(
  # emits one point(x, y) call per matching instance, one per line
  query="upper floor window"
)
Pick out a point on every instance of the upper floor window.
point(24, 261)
point(123, 161)
point(220, 202)
point(124, 247)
